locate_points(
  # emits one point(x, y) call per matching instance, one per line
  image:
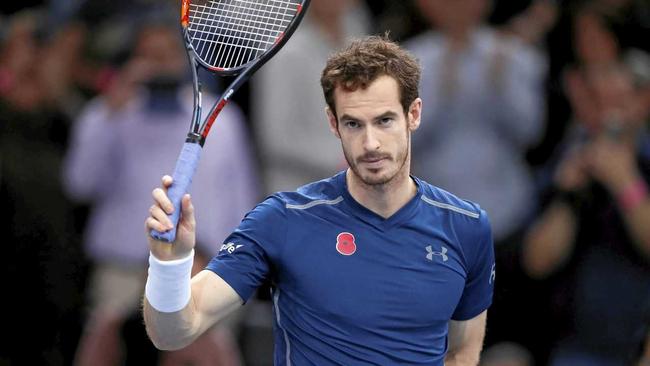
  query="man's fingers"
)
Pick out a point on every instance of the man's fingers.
point(187, 213)
point(152, 224)
point(167, 181)
point(157, 213)
point(160, 197)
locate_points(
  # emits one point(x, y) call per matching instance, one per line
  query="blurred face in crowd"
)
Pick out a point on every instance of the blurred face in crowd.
point(454, 15)
point(20, 49)
point(374, 130)
point(329, 9)
point(19, 57)
point(604, 96)
point(611, 87)
point(159, 51)
point(615, 96)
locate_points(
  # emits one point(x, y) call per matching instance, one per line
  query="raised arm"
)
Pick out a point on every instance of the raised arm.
point(518, 101)
point(176, 309)
point(550, 241)
point(466, 341)
point(613, 163)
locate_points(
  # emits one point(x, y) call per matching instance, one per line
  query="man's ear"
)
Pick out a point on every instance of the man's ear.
point(334, 125)
point(415, 114)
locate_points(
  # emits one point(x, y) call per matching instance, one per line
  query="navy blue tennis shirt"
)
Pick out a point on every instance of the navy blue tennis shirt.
point(353, 288)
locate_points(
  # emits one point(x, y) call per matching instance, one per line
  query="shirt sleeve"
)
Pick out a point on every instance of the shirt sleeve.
point(244, 260)
point(479, 286)
point(95, 139)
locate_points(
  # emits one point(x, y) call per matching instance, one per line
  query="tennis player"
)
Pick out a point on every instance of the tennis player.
point(370, 266)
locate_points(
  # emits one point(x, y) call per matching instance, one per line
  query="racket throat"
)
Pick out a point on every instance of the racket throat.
point(195, 138)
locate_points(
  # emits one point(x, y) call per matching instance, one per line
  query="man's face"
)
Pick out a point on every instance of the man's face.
point(374, 130)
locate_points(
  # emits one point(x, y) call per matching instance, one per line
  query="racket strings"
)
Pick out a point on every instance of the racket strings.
point(204, 14)
point(230, 33)
point(240, 35)
point(270, 12)
point(253, 32)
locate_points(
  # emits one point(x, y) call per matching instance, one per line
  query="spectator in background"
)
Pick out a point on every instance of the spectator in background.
point(43, 267)
point(507, 354)
point(113, 142)
point(533, 23)
point(594, 233)
point(642, 354)
point(628, 20)
point(572, 40)
point(294, 144)
point(485, 106)
point(392, 16)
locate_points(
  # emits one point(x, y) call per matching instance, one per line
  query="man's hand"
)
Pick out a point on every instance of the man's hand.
point(571, 175)
point(123, 87)
point(158, 220)
point(612, 163)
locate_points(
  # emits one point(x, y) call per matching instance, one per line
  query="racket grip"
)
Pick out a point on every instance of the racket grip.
point(183, 173)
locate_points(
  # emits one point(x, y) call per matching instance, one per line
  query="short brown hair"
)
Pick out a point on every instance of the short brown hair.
point(363, 61)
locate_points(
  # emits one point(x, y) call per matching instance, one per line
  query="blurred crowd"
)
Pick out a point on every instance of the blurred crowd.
point(538, 110)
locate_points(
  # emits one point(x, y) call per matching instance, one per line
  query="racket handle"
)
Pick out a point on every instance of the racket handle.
point(183, 173)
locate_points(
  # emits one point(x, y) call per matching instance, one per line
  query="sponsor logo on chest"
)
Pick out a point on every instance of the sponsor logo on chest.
point(442, 253)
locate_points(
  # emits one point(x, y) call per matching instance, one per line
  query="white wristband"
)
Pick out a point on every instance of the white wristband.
point(168, 285)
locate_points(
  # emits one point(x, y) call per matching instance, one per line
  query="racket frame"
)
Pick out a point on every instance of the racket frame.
point(199, 129)
point(190, 153)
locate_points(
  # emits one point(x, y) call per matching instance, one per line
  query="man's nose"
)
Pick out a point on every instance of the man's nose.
point(371, 139)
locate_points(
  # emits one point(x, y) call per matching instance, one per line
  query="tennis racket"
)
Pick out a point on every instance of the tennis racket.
point(229, 38)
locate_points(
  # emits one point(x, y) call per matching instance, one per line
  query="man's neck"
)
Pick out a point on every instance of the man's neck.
point(385, 199)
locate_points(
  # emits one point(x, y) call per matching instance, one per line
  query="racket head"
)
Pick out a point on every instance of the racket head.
point(228, 36)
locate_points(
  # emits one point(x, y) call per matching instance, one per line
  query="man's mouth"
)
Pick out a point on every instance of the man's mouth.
point(373, 161)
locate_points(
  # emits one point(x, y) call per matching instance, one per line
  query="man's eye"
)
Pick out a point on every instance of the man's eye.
point(386, 120)
point(351, 124)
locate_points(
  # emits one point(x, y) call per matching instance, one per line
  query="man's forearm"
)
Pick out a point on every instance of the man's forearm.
point(168, 306)
point(466, 341)
point(462, 359)
point(550, 241)
point(170, 331)
point(638, 222)
point(211, 299)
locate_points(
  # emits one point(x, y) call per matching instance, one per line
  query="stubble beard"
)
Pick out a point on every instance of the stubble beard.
point(385, 179)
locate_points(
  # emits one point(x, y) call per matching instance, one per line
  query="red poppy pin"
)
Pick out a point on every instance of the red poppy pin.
point(345, 244)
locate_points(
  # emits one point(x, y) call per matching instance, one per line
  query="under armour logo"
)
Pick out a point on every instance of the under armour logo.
point(431, 253)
